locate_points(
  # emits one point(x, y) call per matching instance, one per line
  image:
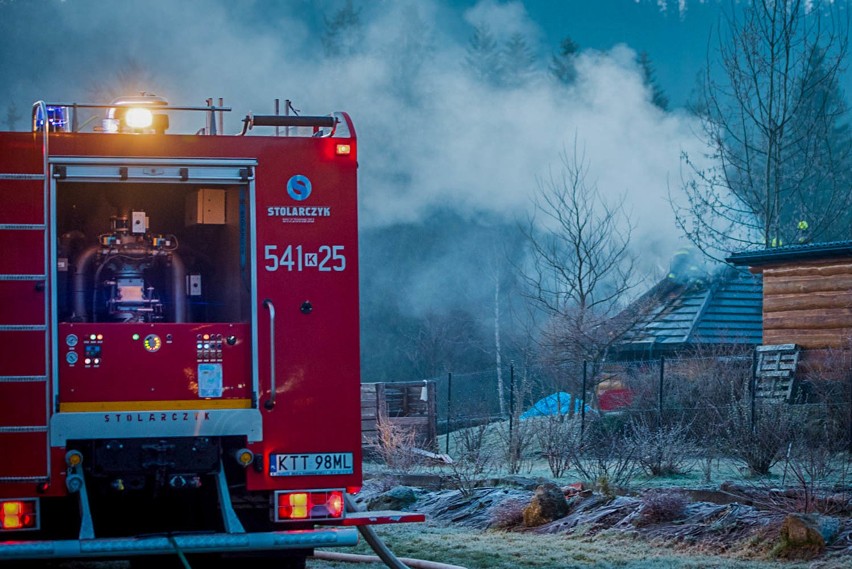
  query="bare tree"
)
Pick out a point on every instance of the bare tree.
point(498, 355)
point(770, 111)
point(581, 267)
point(442, 342)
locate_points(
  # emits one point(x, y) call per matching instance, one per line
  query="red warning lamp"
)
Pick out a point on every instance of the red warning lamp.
point(18, 515)
point(334, 504)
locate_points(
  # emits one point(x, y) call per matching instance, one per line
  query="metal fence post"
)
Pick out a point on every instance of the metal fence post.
point(583, 402)
point(753, 388)
point(511, 402)
point(449, 409)
point(662, 379)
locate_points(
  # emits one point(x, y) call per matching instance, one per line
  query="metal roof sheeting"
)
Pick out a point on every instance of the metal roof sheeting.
point(725, 309)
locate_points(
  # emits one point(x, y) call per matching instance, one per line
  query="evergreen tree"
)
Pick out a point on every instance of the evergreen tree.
point(658, 97)
point(344, 34)
point(820, 206)
point(563, 64)
point(518, 61)
point(483, 57)
point(410, 50)
point(12, 116)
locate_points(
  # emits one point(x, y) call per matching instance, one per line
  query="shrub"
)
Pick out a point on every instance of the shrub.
point(660, 506)
point(515, 444)
point(816, 462)
point(473, 458)
point(509, 513)
point(662, 450)
point(558, 438)
point(758, 442)
point(394, 446)
point(606, 458)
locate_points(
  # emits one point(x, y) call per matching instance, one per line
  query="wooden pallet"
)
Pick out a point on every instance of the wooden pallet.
point(775, 375)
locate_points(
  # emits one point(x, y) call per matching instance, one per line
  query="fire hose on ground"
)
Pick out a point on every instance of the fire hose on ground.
point(383, 553)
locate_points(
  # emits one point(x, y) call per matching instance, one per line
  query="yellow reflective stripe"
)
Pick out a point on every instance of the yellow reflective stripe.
point(99, 406)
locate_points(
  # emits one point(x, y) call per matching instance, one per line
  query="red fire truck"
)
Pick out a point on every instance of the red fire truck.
point(179, 352)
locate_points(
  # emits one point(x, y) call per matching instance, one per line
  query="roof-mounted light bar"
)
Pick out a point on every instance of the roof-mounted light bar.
point(145, 113)
point(57, 117)
point(136, 115)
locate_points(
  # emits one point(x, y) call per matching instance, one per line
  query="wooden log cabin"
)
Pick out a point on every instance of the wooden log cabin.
point(807, 301)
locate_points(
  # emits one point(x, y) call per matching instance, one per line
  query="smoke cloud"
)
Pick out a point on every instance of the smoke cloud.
point(431, 136)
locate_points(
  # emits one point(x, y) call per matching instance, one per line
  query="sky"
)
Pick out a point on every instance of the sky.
point(430, 136)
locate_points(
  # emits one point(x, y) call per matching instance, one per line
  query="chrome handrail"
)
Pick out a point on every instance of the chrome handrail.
point(270, 403)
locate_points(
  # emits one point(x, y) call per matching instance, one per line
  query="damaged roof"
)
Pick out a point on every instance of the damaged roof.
point(724, 308)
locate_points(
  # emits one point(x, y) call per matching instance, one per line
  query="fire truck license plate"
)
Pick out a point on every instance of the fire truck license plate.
point(310, 464)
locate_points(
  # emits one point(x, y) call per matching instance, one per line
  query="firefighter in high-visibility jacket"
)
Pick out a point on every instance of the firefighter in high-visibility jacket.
point(803, 234)
point(684, 268)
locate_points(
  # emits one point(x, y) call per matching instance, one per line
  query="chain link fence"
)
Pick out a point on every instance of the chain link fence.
point(704, 392)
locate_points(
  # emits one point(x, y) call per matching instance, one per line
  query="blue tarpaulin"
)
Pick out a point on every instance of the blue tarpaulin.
point(555, 404)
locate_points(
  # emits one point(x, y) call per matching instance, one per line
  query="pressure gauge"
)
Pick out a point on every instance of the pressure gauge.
point(152, 343)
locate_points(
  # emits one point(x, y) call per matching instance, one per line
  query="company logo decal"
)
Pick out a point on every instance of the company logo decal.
point(299, 187)
point(176, 417)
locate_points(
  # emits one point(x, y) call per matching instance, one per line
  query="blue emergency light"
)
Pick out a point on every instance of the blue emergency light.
point(57, 118)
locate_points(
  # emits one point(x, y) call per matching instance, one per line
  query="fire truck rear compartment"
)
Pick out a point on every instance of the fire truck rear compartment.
point(151, 252)
point(151, 485)
point(154, 463)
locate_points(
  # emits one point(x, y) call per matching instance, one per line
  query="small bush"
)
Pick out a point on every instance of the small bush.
point(515, 444)
point(662, 506)
point(472, 461)
point(663, 450)
point(509, 513)
point(606, 458)
point(558, 438)
point(395, 444)
point(758, 440)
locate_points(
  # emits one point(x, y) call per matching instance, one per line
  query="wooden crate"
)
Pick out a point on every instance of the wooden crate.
point(405, 404)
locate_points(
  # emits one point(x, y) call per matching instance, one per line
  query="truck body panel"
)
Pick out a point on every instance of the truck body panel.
point(179, 321)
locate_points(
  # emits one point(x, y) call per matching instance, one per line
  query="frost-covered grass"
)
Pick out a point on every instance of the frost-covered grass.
point(721, 470)
point(493, 549)
point(697, 474)
point(503, 550)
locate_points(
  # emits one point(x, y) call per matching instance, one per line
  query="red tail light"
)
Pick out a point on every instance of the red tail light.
point(312, 505)
point(334, 504)
point(19, 514)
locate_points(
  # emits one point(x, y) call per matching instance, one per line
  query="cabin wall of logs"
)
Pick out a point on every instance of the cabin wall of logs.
point(809, 303)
